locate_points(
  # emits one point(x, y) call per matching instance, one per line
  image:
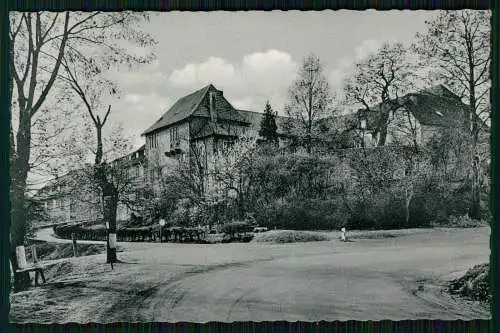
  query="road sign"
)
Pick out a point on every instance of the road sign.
point(162, 222)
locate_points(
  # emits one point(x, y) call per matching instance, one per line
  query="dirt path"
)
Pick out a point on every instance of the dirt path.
point(394, 278)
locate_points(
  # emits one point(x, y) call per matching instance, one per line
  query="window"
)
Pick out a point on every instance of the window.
point(226, 145)
point(153, 140)
point(140, 171)
point(174, 135)
point(133, 172)
point(72, 211)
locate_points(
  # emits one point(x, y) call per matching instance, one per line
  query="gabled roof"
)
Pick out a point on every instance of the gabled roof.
point(434, 106)
point(189, 105)
point(182, 109)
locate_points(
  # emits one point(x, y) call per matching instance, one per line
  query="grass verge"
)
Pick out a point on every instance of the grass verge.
point(290, 236)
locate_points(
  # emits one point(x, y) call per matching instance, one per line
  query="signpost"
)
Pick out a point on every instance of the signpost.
point(161, 223)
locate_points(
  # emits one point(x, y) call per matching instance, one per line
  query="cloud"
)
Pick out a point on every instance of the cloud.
point(145, 79)
point(248, 83)
point(367, 47)
point(202, 73)
point(346, 65)
point(136, 112)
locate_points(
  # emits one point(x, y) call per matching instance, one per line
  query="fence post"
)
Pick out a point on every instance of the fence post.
point(73, 238)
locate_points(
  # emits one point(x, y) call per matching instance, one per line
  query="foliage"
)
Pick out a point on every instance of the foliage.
point(237, 227)
point(474, 284)
point(268, 128)
point(310, 100)
point(377, 84)
point(462, 221)
point(40, 41)
point(456, 46)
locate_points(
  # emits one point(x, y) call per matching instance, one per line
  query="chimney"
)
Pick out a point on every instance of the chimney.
point(211, 98)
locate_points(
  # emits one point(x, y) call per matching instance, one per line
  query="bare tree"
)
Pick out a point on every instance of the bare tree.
point(232, 171)
point(40, 40)
point(310, 99)
point(458, 44)
point(377, 84)
point(112, 179)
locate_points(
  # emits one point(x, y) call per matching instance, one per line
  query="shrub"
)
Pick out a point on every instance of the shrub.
point(236, 228)
point(474, 284)
point(290, 236)
point(463, 221)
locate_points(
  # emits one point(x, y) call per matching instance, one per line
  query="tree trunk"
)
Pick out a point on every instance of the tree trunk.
point(382, 126)
point(19, 173)
point(99, 153)
point(475, 208)
point(408, 197)
point(110, 207)
point(309, 123)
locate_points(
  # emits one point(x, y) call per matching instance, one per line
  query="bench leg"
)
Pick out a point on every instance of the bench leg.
point(39, 272)
point(43, 276)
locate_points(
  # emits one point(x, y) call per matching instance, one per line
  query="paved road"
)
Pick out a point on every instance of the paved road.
point(394, 278)
point(377, 279)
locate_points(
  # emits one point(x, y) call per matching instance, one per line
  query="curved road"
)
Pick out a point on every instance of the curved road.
point(393, 278)
point(376, 279)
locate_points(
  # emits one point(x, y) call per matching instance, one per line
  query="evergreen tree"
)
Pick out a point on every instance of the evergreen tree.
point(268, 128)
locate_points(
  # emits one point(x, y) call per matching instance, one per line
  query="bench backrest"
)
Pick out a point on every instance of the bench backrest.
point(21, 257)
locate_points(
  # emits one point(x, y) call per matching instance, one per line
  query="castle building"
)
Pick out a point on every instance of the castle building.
point(206, 121)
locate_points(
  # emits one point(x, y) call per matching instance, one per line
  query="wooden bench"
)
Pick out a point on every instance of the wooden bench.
point(23, 266)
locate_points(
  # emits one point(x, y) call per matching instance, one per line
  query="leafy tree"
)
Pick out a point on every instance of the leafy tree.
point(268, 128)
point(310, 99)
point(376, 85)
point(457, 44)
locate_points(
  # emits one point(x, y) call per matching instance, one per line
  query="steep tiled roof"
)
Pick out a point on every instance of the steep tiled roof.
point(193, 105)
point(434, 106)
point(182, 109)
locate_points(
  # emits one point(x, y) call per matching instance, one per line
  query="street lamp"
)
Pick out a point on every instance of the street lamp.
point(161, 223)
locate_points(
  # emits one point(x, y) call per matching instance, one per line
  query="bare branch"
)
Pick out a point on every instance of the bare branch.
point(52, 78)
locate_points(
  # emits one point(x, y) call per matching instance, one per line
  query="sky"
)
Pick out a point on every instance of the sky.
point(251, 56)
